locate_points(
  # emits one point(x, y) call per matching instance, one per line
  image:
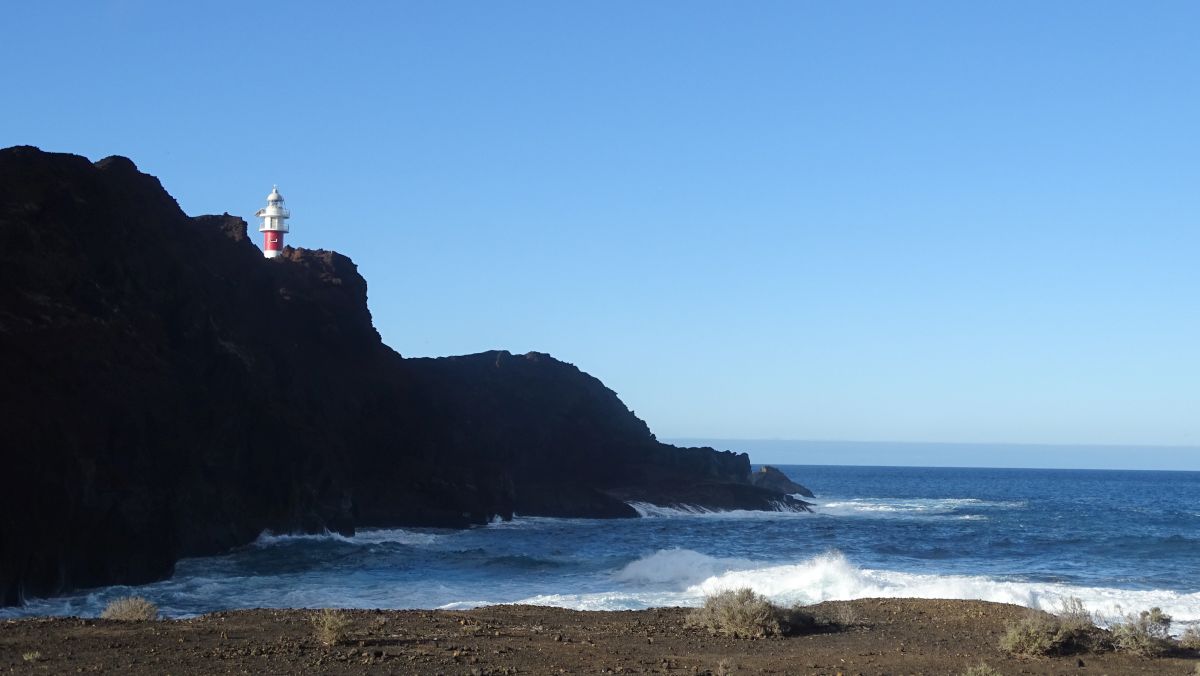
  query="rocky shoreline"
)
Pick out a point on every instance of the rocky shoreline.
point(867, 637)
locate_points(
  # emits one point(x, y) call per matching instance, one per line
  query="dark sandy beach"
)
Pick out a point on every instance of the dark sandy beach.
point(882, 636)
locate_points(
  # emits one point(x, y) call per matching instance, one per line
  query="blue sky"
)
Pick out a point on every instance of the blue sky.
point(923, 221)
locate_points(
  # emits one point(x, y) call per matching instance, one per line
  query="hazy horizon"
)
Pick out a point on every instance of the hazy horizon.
point(956, 454)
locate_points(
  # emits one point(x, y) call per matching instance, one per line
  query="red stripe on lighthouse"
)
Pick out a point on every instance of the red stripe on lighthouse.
point(272, 241)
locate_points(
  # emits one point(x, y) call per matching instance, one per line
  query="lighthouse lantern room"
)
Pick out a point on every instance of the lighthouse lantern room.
point(274, 223)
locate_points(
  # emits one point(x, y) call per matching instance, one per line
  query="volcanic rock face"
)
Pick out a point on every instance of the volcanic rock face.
point(165, 391)
point(772, 479)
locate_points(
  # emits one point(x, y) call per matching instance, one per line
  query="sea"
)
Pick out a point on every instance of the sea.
point(1120, 541)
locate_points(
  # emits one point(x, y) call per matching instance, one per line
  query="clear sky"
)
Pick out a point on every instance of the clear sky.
point(915, 221)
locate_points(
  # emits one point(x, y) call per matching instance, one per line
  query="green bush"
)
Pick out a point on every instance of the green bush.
point(1148, 633)
point(742, 613)
point(130, 609)
point(981, 669)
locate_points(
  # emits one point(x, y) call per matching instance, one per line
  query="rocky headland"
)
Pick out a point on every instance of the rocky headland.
point(771, 478)
point(165, 391)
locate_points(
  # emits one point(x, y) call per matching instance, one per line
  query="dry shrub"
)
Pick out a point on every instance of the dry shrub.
point(330, 626)
point(1191, 639)
point(1042, 634)
point(1074, 617)
point(1147, 634)
point(981, 669)
point(843, 614)
point(1032, 635)
point(130, 609)
point(1071, 630)
point(742, 613)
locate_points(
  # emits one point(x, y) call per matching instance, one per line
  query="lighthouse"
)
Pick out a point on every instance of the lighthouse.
point(274, 223)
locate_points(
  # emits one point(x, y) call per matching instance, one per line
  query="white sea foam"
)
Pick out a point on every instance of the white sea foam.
point(853, 507)
point(463, 605)
point(398, 535)
point(647, 509)
point(684, 578)
point(522, 521)
point(908, 507)
point(676, 568)
point(669, 577)
point(269, 539)
point(361, 537)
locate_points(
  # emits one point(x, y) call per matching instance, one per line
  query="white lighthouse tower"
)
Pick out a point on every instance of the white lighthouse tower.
point(274, 223)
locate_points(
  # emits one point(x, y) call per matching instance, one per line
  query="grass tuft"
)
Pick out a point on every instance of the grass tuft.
point(130, 609)
point(32, 656)
point(742, 613)
point(330, 626)
point(981, 669)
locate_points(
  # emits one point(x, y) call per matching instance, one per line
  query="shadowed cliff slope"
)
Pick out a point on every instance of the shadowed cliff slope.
point(165, 391)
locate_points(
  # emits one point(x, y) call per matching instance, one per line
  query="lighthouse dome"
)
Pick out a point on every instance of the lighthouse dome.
point(274, 196)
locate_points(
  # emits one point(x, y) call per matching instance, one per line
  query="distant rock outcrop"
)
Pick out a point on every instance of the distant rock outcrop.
point(772, 479)
point(165, 391)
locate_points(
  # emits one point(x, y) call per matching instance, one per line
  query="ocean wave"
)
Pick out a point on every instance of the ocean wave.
point(666, 577)
point(832, 577)
point(684, 578)
point(521, 521)
point(397, 535)
point(367, 536)
point(464, 605)
point(677, 568)
point(522, 562)
point(646, 509)
point(910, 507)
point(611, 600)
point(269, 539)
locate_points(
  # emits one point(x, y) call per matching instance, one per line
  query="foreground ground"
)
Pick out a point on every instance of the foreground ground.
point(881, 636)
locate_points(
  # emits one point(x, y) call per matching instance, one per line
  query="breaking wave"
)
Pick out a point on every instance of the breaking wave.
point(914, 507)
point(685, 578)
point(366, 536)
point(677, 568)
point(646, 509)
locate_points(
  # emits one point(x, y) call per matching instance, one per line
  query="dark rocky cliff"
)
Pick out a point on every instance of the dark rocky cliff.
point(771, 478)
point(165, 391)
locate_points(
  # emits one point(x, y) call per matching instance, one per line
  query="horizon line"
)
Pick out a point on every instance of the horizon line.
point(1032, 444)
